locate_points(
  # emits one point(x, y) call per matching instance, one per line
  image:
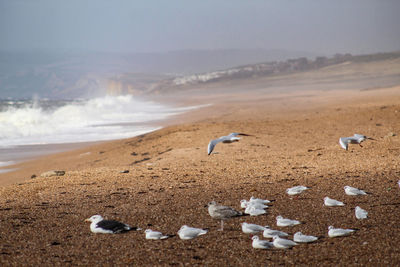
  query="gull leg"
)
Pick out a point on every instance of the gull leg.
point(222, 226)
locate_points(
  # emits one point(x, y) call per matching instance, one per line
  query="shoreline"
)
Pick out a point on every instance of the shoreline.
point(17, 155)
point(306, 102)
point(162, 180)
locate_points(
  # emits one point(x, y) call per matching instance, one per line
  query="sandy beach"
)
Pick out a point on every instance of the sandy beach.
point(171, 178)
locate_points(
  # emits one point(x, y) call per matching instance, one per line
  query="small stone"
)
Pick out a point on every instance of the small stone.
point(52, 173)
point(124, 171)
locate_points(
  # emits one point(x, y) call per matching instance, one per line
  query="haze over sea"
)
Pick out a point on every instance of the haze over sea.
point(25, 125)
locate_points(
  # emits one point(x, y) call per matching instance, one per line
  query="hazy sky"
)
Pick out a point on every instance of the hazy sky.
point(323, 26)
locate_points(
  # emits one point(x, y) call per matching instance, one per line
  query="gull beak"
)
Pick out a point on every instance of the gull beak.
point(87, 220)
point(370, 138)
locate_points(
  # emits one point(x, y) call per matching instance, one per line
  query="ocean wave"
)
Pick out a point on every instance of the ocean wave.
point(105, 118)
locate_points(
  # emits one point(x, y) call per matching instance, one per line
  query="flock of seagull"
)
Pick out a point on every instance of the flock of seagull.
point(220, 212)
point(253, 207)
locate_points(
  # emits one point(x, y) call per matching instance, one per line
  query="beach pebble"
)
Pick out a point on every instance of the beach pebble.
point(52, 173)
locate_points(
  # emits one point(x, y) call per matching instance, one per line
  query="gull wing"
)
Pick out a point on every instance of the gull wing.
point(114, 226)
point(236, 134)
point(226, 212)
point(212, 144)
point(344, 142)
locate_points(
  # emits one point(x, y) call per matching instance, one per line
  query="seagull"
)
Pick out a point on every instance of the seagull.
point(150, 234)
point(332, 202)
point(355, 139)
point(352, 191)
point(296, 190)
point(260, 200)
point(232, 137)
point(249, 228)
point(258, 205)
point(300, 238)
point(270, 233)
point(254, 211)
point(99, 225)
point(222, 212)
point(360, 213)
point(280, 221)
point(262, 244)
point(283, 243)
point(187, 232)
point(335, 232)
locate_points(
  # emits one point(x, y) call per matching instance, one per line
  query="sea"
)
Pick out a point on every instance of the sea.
point(34, 127)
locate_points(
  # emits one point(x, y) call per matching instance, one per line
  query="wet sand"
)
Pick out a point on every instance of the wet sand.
point(171, 178)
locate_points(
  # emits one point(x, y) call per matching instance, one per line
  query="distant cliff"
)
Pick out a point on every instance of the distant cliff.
point(270, 69)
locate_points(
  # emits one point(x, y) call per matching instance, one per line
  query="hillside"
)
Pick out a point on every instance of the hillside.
point(339, 72)
point(81, 74)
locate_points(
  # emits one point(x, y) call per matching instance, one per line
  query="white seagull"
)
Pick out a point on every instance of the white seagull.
point(232, 137)
point(261, 244)
point(296, 190)
point(352, 191)
point(270, 233)
point(283, 243)
point(361, 213)
point(254, 211)
point(355, 139)
point(250, 228)
point(282, 222)
point(332, 202)
point(244, 204)
point(99, 225)
point(222, 213)
point(335, 232)
point(260, 200)
point(300, 238)
point(187, 232)
point(150, 234)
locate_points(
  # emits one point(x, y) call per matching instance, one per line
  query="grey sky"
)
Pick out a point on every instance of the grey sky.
point(323, 26)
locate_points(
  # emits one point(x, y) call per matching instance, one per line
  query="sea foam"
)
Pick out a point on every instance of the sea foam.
point(105, 118)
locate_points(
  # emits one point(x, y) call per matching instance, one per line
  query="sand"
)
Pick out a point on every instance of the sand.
point(171, 178)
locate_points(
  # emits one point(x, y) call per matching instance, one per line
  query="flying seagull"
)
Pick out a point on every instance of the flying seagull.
point(99, 225)
point(232, 137)
point(222, 213)
point(355, 139)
